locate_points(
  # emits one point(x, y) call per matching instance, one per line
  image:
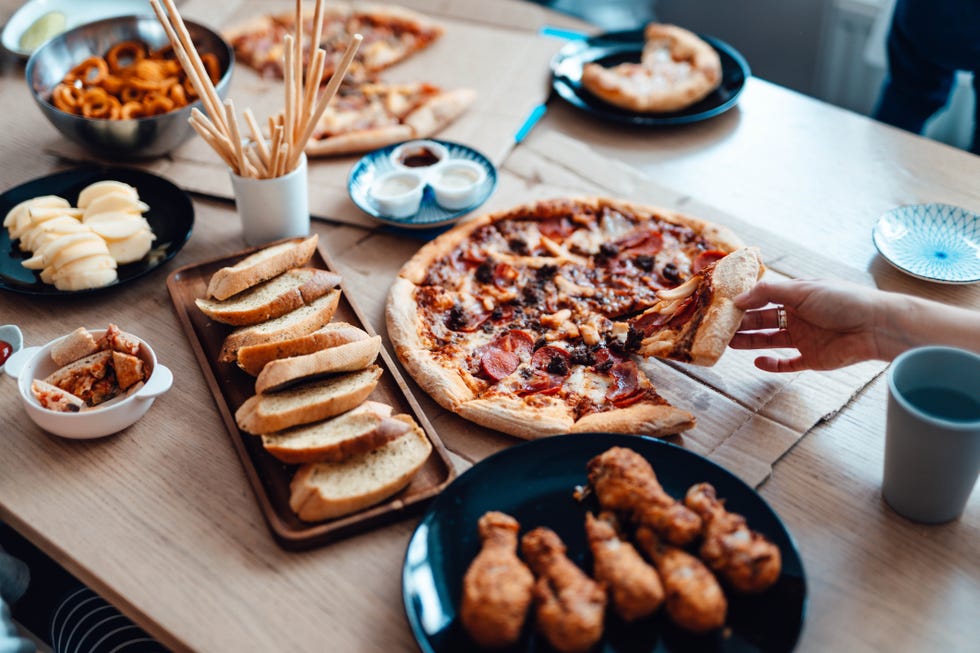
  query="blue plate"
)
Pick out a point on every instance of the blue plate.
point(171, 216)
point(534, 482)
point(935, 242)
point(613, 48)
point(430, 214)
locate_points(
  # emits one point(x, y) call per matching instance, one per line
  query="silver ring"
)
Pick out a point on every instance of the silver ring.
point(781, 317)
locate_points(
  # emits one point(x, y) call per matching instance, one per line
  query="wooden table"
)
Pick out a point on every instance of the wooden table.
point(161, 521)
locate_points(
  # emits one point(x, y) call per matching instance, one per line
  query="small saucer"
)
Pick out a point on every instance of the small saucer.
point(935, 242)
point(10, 334)
point(430, 214)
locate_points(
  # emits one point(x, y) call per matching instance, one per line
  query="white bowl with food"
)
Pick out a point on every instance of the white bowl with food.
point(111, 388)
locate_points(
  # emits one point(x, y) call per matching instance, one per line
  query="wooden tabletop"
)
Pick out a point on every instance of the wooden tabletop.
point(160, 518)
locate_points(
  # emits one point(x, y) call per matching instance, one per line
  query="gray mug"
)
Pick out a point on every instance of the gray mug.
point(932, 439)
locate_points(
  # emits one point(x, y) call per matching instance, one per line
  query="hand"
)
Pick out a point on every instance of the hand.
point(829, 325)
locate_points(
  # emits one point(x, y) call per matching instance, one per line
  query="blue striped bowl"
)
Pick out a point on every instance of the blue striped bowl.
point(935, 242)
point(430, 214)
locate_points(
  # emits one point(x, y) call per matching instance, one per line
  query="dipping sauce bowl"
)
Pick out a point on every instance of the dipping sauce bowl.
point(419, 155)
point(457, 184)
point(398, 193)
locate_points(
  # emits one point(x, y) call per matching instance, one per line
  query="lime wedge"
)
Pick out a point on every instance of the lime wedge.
point(41, 30)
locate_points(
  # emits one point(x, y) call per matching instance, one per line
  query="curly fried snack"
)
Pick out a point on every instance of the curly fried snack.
point(129, 82)
point(497, 585)
point(625, 482)
point(744, 558)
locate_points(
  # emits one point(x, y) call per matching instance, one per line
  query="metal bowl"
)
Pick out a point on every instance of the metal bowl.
point(136, 138)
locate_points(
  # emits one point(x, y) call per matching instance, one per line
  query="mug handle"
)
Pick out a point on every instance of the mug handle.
point(15, 364)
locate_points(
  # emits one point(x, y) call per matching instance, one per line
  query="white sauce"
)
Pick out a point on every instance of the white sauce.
point(457, 178)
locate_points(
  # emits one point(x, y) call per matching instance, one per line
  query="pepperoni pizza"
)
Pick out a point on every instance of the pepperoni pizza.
point(528, 320)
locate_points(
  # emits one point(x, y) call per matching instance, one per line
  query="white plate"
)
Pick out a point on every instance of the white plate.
point(935, 242)
point(76, 12)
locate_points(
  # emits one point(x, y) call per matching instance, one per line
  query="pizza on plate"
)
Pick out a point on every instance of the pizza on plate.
point(367, 113)
point(528, 320)
point(676, 70)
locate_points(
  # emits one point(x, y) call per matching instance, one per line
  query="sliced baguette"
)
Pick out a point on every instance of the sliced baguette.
point(307, 403)
point(260, 266)
point(326, 490)
point(272, 298)
point(77, 344)
point(252, 358)
point(300, 322)
point(357, 431)
point(54, 398)
point(351, 357)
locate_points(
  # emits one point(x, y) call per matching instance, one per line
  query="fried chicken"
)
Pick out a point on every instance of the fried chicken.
point(570, 606)
point(634, 587)
point(497, 586)
point(744, 558)
point(624, 482)
point(695, 601)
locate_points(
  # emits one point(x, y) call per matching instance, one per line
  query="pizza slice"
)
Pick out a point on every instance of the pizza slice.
point(367, 116)
point(676, 70)
point(695, 321)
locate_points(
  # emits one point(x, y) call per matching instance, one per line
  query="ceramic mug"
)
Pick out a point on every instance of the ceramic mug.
point(932, 439)
point(274, 208)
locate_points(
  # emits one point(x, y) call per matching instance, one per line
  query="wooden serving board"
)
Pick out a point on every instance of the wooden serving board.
point(269, 477)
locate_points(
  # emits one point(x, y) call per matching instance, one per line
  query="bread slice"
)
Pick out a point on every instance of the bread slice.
point(77, 344)
point(54, 398)
point(272, 298)
point(252, 358)
point(261, 266)
point(325, 490)
point(343, 358)
point(129, 369)
point(307, 403)
point(302, 321)
point(357, 431)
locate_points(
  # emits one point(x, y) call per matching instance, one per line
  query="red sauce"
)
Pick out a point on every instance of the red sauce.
point(419, 158)
point(5, 351)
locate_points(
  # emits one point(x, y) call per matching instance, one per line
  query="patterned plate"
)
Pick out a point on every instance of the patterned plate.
point(935, 242)
point(429, 214)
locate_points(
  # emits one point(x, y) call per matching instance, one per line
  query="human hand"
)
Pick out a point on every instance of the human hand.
point(830, 324)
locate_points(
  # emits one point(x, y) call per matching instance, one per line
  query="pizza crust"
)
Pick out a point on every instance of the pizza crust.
point(736, 273)
point(358, 141)
point(518, 418)
point(438, 112)
point(644, 419)
point(677, 69)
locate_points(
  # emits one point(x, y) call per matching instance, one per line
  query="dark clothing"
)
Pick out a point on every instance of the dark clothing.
point(928, 42)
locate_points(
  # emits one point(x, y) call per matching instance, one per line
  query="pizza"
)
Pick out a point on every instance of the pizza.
point(676, 70)
point(367, 113)
point(529, 320)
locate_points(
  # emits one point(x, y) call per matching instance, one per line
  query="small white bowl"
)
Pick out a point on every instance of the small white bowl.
point(457, 184)
point(420, 156)
point(10, 334)
point(113, 416)
point(398, 193)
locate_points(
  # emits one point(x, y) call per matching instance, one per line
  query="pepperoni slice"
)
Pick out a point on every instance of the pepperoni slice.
point(541, 383)
point(504, 275)
point(648, 322)
point(516, 340)
point(459, 320)
point(497, 364)
point(557, 229)
point(551, 359)
point(704, 259)
point(643, 242)
point(685, 312)
point(626, 382)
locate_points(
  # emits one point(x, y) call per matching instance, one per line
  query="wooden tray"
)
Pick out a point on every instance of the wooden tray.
point(268, 476)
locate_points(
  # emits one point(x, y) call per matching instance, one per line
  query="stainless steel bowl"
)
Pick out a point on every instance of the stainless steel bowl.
point(137, 138)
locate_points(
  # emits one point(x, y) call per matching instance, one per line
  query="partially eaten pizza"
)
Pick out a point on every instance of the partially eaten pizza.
point(676, 70)
point(529, 320)
point(367, 112)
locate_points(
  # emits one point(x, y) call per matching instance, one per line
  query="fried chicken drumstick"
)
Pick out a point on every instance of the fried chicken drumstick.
point(570, 606)
point(624, 482)
point(695, 601)
point(744, 558)
point(497, 586)
point(634, 587)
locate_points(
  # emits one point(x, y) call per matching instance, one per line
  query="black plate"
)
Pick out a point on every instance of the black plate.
point(534, 483)
point(171, 216)
point(614, 48)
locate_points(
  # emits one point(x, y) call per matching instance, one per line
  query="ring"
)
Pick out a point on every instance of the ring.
point(781, 317)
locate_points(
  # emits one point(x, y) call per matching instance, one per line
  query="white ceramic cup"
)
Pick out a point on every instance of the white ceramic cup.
point(932, 439)
point(273, 209)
